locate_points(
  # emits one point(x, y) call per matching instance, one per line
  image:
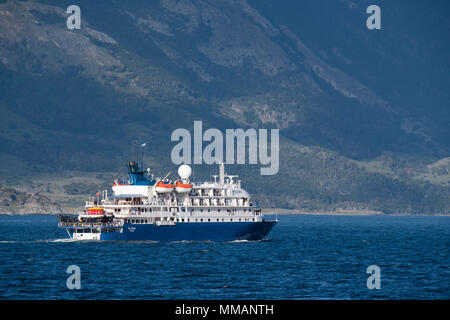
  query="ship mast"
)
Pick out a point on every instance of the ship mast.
point(221, 172)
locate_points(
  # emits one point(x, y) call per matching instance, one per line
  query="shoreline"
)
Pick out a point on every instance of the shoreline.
point(282, 211)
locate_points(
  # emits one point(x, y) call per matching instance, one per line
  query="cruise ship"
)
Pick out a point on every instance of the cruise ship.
point(144, 208)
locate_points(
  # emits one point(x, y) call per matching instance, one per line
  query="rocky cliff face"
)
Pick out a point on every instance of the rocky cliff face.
point(13, 201)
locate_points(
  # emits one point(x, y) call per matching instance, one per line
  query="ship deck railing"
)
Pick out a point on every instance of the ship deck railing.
point(89, 225)
point(161, 204)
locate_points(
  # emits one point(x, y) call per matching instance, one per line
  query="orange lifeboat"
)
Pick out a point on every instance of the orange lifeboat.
point(181, 187)
point(95, 211)
point(162, 187)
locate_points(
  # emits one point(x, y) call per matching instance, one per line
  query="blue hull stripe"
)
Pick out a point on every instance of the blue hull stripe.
point(192, 231)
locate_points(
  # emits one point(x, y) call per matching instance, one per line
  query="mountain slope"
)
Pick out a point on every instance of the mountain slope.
point(353, 98)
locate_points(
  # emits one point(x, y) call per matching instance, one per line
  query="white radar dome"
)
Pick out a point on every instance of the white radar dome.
point(184, 171)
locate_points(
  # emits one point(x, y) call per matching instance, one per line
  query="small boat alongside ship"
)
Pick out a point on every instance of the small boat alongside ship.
point(161, 210)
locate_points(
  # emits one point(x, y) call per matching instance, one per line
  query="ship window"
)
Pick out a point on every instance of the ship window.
point(209, 220)
point(217, 219)
point(245, 210)
point(218, 210)
point(231, 219)
point(239, 219)
point(201, 220)
point(201, 210)
point(188, 220)
point(223, 219)
point(182, 220)
point(94, 231)
point(209, 210)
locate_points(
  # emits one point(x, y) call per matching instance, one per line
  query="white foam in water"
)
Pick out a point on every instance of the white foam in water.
point(244, 240)
point(37, 241)
point(63, 240)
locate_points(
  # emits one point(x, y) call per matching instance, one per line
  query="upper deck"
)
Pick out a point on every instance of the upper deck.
point(221, 198)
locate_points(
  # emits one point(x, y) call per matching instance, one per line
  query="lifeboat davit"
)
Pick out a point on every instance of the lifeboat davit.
point(95, 211)
point(162, 187)
point(181, 187)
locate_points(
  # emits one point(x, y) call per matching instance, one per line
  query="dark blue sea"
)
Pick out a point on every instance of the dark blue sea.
point(305, 257)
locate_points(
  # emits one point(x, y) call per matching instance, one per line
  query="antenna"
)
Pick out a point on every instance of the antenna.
point(143, 145)
point(139, 149)
point(221, 172)
point(134, 148)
